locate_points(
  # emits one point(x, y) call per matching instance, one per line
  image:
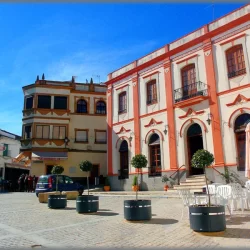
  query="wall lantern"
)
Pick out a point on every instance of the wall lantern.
point(165, 131)
point(130, 137)
point(66, 140)
point(209, 118)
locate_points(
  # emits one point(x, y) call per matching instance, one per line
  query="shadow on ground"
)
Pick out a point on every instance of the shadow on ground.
point(100, 213)
point(237, 220)
point(69, 208)
point(157, 221)
point(232, 233)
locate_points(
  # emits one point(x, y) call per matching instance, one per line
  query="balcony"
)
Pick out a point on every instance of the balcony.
point(123, 174)
point(190, 94)
point(236, 73)
point(154, 171)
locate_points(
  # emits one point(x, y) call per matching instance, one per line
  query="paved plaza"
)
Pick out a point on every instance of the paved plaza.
point(24, 222)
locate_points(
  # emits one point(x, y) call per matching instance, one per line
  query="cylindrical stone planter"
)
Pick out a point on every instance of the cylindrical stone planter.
point(136, 210)
point(87, 204)
point(57, 201)
point(207, 219)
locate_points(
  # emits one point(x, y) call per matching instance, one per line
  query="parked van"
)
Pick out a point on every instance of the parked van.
point(47, 183)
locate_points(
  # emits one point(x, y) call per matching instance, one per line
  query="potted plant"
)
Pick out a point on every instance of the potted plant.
point(55, 200)
point(87, 203)
point(135, 186)
point(165, 179)
point(136, 210)
point(107, 184)
point(206, 218)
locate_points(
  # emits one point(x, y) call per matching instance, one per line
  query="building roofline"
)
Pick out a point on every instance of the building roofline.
point(6, 133)
point(171, 52)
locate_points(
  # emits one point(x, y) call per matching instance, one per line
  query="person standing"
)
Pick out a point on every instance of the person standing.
point(21, 183)
point(26, 183)
point(34, 183)
point(30, 183)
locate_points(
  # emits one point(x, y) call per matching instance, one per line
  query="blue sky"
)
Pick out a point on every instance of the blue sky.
point(84, 40)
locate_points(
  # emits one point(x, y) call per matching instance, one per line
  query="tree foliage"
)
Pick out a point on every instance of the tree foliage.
point(202, 159)
point(57, 169)
point(139, 161)
point(85, 166)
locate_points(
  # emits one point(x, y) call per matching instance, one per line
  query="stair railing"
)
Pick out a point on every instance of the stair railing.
point(178, 173)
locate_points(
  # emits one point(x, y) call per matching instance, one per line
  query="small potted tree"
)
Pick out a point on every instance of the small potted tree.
point(87, 203)
point(55, 200)
point(206, 218)
point(137, 210)
point(135, 186)
point(107, 184)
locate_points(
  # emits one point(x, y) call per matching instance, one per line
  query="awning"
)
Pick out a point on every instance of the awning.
point(49, 155)
point(22, 159)
point(17, 165)
point(155, 142)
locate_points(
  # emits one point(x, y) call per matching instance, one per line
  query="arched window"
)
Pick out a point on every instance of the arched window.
point(235, 61)
point(151, 92)
point(101, 107)
point(240, 136)
point(188, 76)
point(82, 106)
point(155, 155)
point(123, 102)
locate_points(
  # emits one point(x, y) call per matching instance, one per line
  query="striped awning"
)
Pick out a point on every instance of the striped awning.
point(49, 155)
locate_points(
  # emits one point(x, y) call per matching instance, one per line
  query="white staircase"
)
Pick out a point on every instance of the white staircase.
point(194, 183)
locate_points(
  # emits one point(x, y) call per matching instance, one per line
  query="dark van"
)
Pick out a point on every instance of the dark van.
point(47, 183)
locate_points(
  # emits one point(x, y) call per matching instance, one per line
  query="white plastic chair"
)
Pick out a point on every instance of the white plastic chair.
point(224, 196)
point(248, 191)
point(238, 194)
point(187, 199)
point(212, 193)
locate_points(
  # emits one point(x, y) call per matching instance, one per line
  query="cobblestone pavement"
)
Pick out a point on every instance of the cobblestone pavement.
point(24, 222)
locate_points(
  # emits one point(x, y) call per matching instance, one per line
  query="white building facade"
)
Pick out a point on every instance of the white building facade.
point(9, 148)
point(191, 94)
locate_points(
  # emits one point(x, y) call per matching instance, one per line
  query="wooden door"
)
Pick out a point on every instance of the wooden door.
point(241, 148)
point(124, 162)
point(94, 173)
point(189, 80)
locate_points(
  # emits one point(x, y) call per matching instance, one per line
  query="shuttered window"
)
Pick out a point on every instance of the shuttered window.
point(82, 136)
point(101, 136)
point(235, 61)
point(59, 132)
point(42, 131)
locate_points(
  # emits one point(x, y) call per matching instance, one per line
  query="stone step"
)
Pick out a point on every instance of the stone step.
point(199, 188)
point(200, 183)
point(196, 178)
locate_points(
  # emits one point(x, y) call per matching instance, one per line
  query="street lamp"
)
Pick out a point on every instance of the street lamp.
point(66, 140)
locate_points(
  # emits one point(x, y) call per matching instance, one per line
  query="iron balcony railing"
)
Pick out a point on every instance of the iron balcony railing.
point(154, 171)
point(190, 91)
point(236, 73)
point(123, 174)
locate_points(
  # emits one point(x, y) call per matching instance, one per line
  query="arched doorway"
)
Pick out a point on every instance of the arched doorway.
point(240, 136)
point(154, 156)
point(123, 160)
point(194, 143)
